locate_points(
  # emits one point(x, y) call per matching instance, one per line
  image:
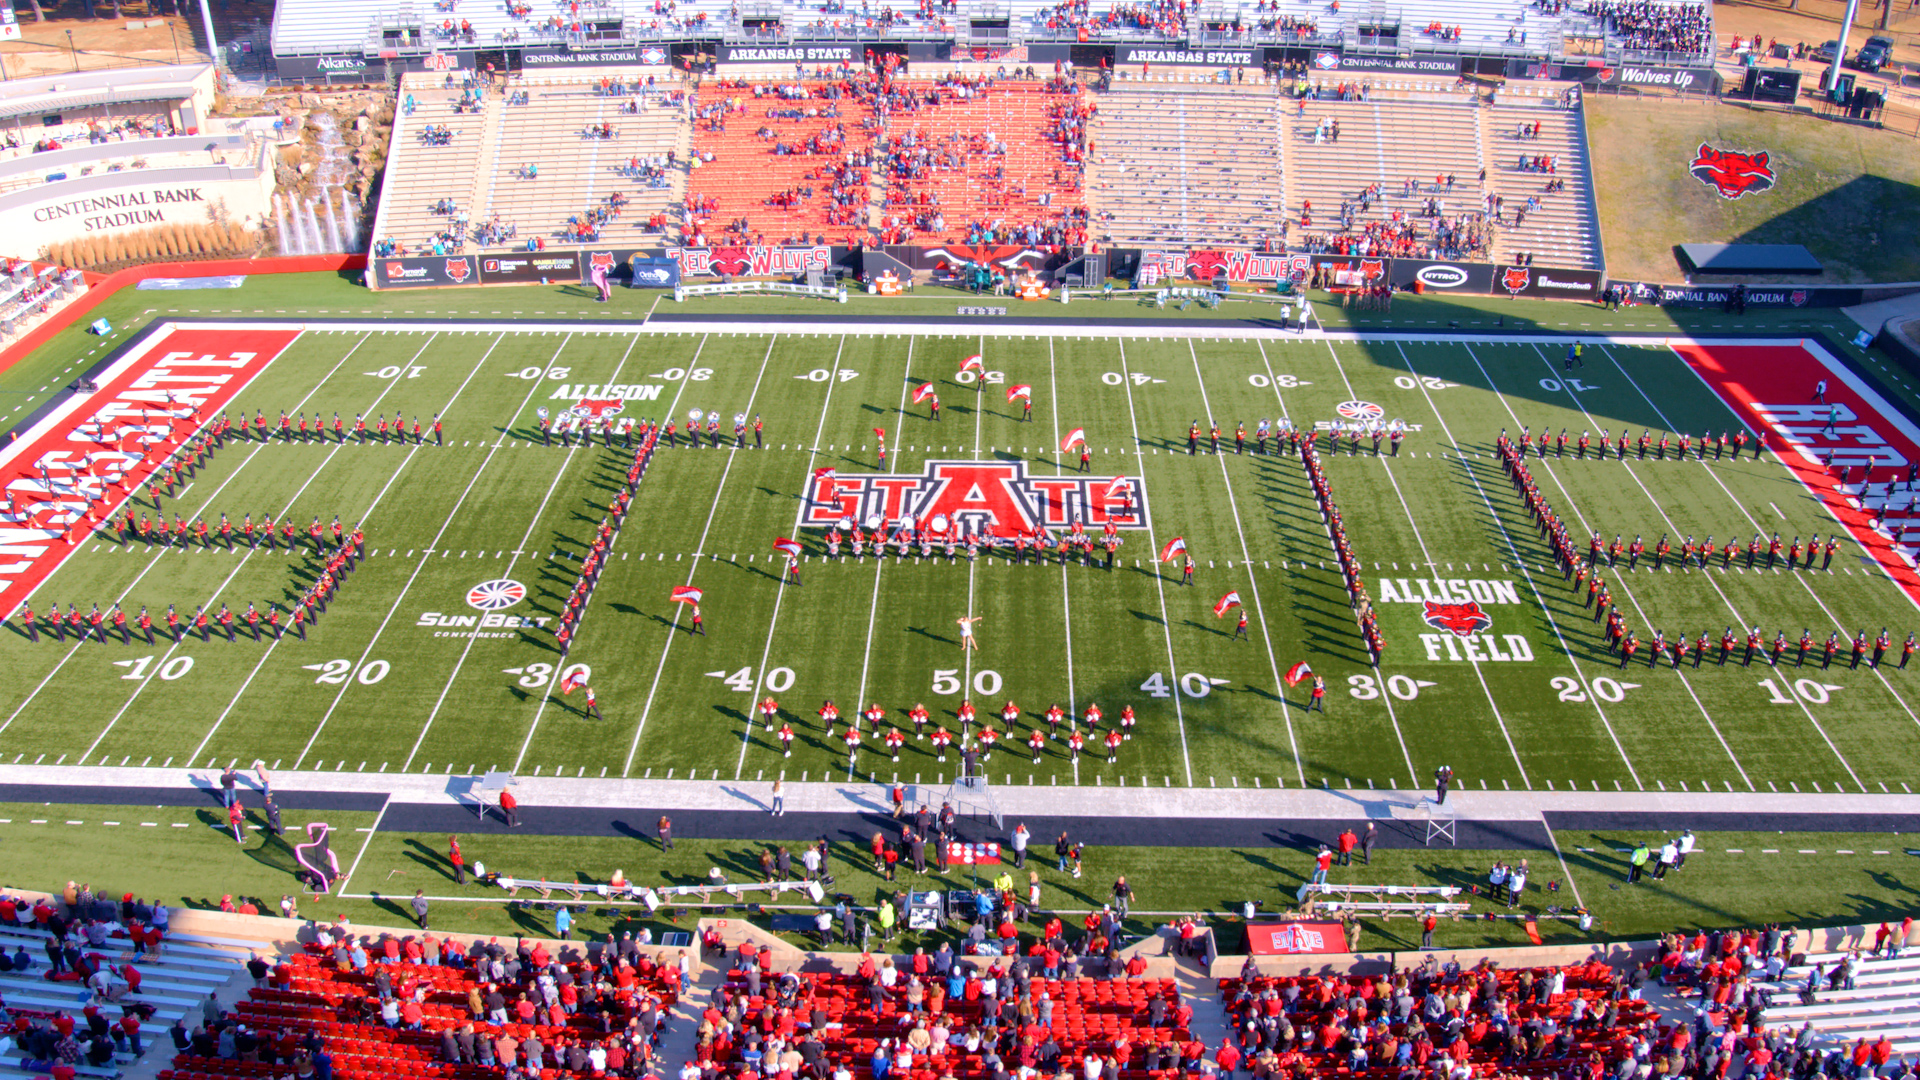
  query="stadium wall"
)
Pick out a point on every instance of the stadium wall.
point(113, 283)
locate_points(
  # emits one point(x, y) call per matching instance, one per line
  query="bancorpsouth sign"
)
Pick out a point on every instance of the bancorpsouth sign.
point(119, 210)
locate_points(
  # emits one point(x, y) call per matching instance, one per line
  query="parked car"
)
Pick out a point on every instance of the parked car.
point(1875, 54)
point(1826, 52)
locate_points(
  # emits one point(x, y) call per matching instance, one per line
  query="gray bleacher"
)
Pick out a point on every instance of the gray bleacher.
point(1885, 1000)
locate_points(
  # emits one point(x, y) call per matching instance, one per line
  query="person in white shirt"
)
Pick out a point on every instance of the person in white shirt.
point(1516, 883)
point(1669, 852)
point(1093, 1066)
point(1497, 879)
point(1686, 848)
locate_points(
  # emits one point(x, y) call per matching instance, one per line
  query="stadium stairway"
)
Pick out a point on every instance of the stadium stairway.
point(1187, 166)
point(576, 172)
point(1564, 231)
point(1885, 1000)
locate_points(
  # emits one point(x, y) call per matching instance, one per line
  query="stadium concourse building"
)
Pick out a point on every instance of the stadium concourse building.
point(356, 41)
point(102, 152)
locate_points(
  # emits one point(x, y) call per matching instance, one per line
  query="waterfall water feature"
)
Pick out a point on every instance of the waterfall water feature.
point(302, 232)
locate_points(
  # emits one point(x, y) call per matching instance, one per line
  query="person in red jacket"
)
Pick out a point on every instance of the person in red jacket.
point(458, 860)
point(509, 806)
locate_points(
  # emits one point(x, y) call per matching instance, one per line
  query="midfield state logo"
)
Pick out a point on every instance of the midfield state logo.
point(1731, 172)
point(987, 498)
point(1461, 619)
point(598, 408)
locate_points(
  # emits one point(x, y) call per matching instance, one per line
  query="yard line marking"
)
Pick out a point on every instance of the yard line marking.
point(1153, 548)
point(1426, 555)
point(1066, 586)
point(873, 609)
point(1259, 609)
point(1824, 505)
point(966, 655)
point(1298, 764)
point(780, 571)
point(613, 379)
point(254, 451)
point(275, 643)
point(426, 554)
point(384, 803)
point(718, 490)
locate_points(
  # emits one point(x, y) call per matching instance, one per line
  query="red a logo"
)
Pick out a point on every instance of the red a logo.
point(1731, 172)
point(1462, 620)
point(458, 269)
point(1516, 278)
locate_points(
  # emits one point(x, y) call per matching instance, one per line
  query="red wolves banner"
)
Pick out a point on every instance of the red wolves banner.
point(922, 392)
point(1207, 264)
point(789, 548)
point(751, 261)
point(73, 469)
point(1295, 938)
point(1072, 439)
point(1732, 173)
point(984, 498)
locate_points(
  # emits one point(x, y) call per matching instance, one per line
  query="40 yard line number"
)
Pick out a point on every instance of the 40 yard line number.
point(1193, 684)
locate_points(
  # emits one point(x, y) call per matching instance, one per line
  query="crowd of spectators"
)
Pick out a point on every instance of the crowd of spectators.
point(1158, 18)
point(1287, 26)
point(1656, 25)
point(436, 135)
point(80, 927)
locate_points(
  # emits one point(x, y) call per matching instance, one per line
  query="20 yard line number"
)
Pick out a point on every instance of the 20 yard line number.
point(335, 672)
point(1608, 690)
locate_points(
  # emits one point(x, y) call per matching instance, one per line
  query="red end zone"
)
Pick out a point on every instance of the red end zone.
point(71, 472)
point(1771, 388)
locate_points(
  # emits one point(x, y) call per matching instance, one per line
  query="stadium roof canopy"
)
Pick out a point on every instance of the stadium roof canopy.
point(56, 93)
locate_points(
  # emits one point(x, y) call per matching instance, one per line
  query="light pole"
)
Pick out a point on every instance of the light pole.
point(74, 49)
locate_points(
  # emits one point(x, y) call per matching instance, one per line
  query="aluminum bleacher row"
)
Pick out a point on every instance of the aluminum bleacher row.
point(1189, 166)
point(317, 998)
point(174, 980)
point(1089, 1017)
point(1885, 1000)
point(480, 168)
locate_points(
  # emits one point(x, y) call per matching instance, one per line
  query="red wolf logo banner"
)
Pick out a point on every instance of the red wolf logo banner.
point(730, 260)
point(1373, 269)
point(598, 408)
point(989, 498)
point(600, 260)
point(1731, 172)
point(1798, 298)
point(458, 269)
point(1515, 279)
point(1462, 620)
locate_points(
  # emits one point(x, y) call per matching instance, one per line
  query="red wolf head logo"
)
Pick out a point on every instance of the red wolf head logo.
point(1462, 620)
point(598, 408)
point(1206, 265)
point(1372, 269)
point(600, 260)
point(730, 260)
point(1515, 279)
point(458, 269)
point(1798, 298)
point(1730, 172)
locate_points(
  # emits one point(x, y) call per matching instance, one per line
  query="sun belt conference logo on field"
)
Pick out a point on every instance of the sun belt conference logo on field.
point(1360, 410)
point(496, 595)
point(1460, 619)
point(1731, 172)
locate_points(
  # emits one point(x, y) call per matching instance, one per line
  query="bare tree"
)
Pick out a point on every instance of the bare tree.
point(38, 15)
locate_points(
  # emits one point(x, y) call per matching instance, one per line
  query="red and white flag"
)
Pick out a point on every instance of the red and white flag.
point(1115, 488)
point(972, 363)
point(686, 594)
point(572, 680)
point(922, 392)
point(880, 433)
point(1225, 604)
point(1175, 546)
point(825, 473)
point(789, 548)
point(1016, 392)
point(1072, 439)
point(1297, 672)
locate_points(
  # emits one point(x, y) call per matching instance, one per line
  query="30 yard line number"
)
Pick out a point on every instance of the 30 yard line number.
point(1366, 688)
point(534, 676)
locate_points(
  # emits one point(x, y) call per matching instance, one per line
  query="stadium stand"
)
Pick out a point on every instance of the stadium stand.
point(1541, 1021)
point(1187, 165)
point(435, 154)
point(393, 1011)
point(1856, 996)
point(1564, 229)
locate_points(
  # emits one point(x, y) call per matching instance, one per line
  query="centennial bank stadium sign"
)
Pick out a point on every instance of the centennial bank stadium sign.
point(979, 498)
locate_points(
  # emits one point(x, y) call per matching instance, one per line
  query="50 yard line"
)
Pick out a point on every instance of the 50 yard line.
point(1066, 586)
point(873, 611)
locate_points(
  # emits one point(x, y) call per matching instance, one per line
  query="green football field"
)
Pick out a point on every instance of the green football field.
point(404, 675)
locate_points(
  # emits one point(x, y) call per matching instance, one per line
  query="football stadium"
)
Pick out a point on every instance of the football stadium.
point(983, 541)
